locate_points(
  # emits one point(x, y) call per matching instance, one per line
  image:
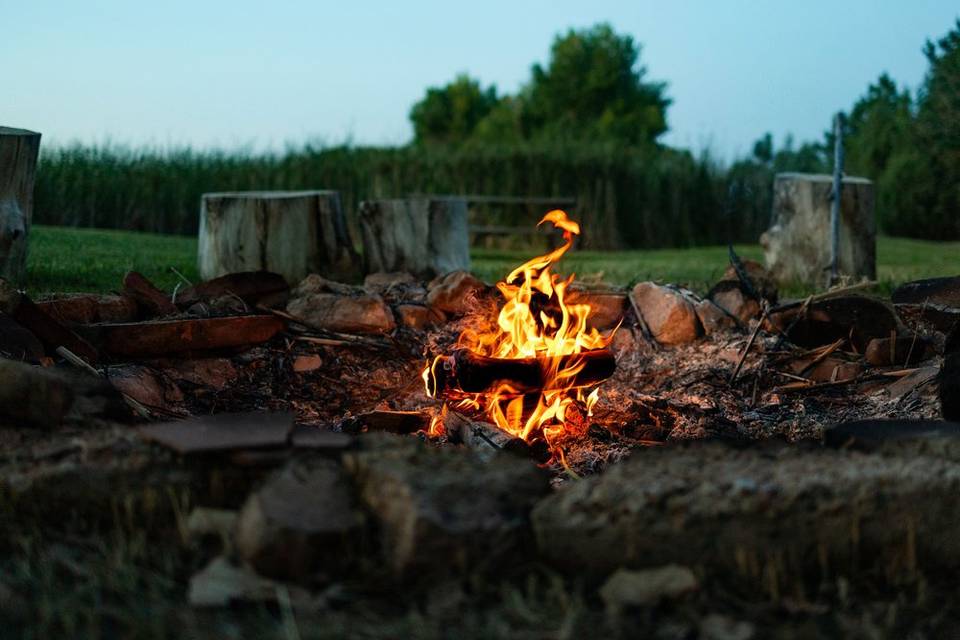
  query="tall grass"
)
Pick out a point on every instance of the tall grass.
point(627, 198)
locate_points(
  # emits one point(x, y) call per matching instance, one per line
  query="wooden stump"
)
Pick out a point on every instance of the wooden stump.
point(422, 236)
point(293, 233)
point(19, 150)
point(797, 244)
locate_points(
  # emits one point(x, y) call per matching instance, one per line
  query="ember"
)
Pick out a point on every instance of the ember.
point(537, 374)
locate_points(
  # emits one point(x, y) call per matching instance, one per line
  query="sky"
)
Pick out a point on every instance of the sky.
point(264, 75)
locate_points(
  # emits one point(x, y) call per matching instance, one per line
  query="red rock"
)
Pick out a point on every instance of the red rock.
point(731, 298)
point(455, 293)
point(332, 306)
point(303, 364)
point(668, 312)
point(606, 307)
point(713, 318)
point(417, 316)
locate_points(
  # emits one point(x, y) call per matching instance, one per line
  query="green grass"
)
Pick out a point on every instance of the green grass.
point(67, 259)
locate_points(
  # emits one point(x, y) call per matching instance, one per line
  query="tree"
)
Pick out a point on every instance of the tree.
point(593, 87)
point(878, 127)
point(449, 114)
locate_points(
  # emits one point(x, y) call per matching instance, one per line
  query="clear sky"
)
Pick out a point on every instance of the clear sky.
point(264, 74)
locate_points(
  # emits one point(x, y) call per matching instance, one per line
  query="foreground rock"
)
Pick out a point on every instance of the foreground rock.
point(442, 510)
point(335, 307)
point(455, 293)
point(668, 312)
point(765, 516)
point(304, 521)
point(898, 437)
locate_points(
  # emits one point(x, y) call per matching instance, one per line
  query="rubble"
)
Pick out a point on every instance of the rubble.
point(668, 312)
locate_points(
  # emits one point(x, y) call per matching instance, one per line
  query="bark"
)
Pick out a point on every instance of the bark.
point(293, 233)
point(19, 150)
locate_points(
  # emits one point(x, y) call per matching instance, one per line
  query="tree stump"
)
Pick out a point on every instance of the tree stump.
point(19, 150)
point(293, 233)
point(797, 244)
point(422, 236)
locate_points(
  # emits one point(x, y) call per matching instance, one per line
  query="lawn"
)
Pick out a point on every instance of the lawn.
point(67, 259)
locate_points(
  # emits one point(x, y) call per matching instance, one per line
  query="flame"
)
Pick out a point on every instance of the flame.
point(537, 321)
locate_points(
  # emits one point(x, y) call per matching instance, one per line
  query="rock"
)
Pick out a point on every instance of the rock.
point(45, 397)
point(668, 312)
point(304, 364)
point(222, 583)
point(949, 387)
point(606, 307)
point(442, 510)
point(898, 437)
point(901, 351)
point(797, 245)
point(627, 588)
point(731, 297)
point(713, 318)
point(719, 627)
point(77, 309)
point(147, 386)
point(762, 280)
point(765, 516)
point(302, 522)
point(937, 291)
point(336, 307)
point(455, 293)
point(415, 316)
point(216, 373)
point(858, 319)
point(250, 287)
point(381, 282)
point(18, 343)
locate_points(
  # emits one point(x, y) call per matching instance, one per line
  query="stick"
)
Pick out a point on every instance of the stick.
point(753, 337)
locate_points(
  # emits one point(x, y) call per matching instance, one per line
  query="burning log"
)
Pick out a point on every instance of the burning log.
point(483, 437)
point(471, 373)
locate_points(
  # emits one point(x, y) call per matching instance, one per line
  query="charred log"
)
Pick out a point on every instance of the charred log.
point(483, 437)
point(472, 373)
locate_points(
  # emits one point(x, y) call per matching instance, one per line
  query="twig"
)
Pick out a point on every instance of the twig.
point(181, 276)
point(753, 337)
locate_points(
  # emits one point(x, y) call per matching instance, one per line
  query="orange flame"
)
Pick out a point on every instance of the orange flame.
point(536, 321)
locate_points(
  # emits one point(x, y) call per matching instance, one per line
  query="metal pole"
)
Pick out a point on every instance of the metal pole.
point(837, 197)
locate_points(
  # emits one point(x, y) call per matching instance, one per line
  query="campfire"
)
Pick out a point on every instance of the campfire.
point(536, 374)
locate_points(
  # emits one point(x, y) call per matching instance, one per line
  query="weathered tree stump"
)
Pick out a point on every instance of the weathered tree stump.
point(293, 233)
point(422, 236)
point(19, 150)
point(797, 244)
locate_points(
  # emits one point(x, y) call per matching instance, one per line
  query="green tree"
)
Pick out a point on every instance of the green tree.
point(594, 88)
point(449, 114)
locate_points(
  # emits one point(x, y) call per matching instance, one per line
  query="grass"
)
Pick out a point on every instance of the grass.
point(68, 259)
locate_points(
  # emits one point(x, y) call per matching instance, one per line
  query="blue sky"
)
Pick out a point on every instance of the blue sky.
point(264, 74)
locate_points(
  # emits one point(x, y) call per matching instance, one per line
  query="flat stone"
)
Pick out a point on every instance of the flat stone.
point(627, 588)
point(443, 510)
point(455, 293)
point(304, 521)
point(937, 291)
point(222, 432)
point(668, 312)
point(762, 515)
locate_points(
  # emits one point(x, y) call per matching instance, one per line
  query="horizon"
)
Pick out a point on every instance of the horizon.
point(210, 90)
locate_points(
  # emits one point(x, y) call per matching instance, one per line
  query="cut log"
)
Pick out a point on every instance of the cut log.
point(19, 150)
point(471, 373)
point(423, 236)
point(484, 438)
point(797, 245)
point(151, 300)
point(292, 233)
point(146, 339)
